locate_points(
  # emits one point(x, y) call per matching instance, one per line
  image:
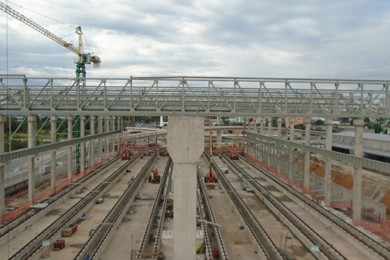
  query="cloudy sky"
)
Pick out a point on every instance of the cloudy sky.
point(282, 38)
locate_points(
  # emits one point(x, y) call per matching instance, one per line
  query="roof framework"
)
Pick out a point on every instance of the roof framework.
point(187, 95)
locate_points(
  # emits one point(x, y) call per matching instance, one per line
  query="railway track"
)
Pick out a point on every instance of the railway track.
point(152, 231)
point(208, 215)
point(96, 244)
point(69, 216)
point(29, 216)
point(294, 222)
point(262, 238)
point(363, 238)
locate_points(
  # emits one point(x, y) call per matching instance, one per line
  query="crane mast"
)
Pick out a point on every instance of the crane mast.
point(83, 58)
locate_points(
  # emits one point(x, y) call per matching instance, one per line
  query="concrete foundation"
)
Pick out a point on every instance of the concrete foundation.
point(185, 145)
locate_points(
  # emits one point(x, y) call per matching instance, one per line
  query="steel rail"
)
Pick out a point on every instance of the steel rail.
point(210, 216)
point(326, 248)
point(157, 240)
point(52, 200)
point(207, 240)
point(67, 217)
point(261, 236)
point(366, 240)
point(99, 239)
point(155, 210)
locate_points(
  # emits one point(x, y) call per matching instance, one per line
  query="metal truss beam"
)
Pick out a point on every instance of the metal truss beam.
point(201, 96)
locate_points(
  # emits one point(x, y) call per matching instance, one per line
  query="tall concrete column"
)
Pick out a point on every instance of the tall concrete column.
point(260, 127)
point(70, 148)
point(2, 168)
point(92, 142)
point(82, 145)
point(279, 127)
point(113, 126)
point(100, 131)
point(290, 170)
point(210, 143)
point(32, 141)
point(219, 138)
point(53, 154)
point(118, 123)
point(357, 172)
point(270, 126)
point(107, 125)
point(306, 176)
point(328, 163)
point(185, 145)
point(292, 131)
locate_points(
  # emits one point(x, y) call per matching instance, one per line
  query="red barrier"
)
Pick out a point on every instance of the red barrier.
point(46, 193)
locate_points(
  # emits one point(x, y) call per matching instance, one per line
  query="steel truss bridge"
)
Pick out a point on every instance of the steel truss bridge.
point(204, 96)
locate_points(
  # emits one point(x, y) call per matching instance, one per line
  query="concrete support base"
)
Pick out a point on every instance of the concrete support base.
point(185, 145)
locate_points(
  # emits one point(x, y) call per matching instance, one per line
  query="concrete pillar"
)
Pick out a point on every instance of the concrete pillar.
point(279, 127)
point(113, 126)
point(161, 121)
point(219, 138)
point(107, 125)
point(32, 141)
point(2, 168)
point(270, 126)
point(290, 170)
point(53, 154)
point(328, 163)
point(306, 176)
point(292, 131)
point(118, 123)
point(70, 148)
point(185, 145)
point(260, 122)
point(82, 145)
point(210, 143)
point(357, 172)
point(100, 131)
point(92, 142)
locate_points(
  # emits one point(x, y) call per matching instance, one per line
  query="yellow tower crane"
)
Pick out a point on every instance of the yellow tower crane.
point(83, 58)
